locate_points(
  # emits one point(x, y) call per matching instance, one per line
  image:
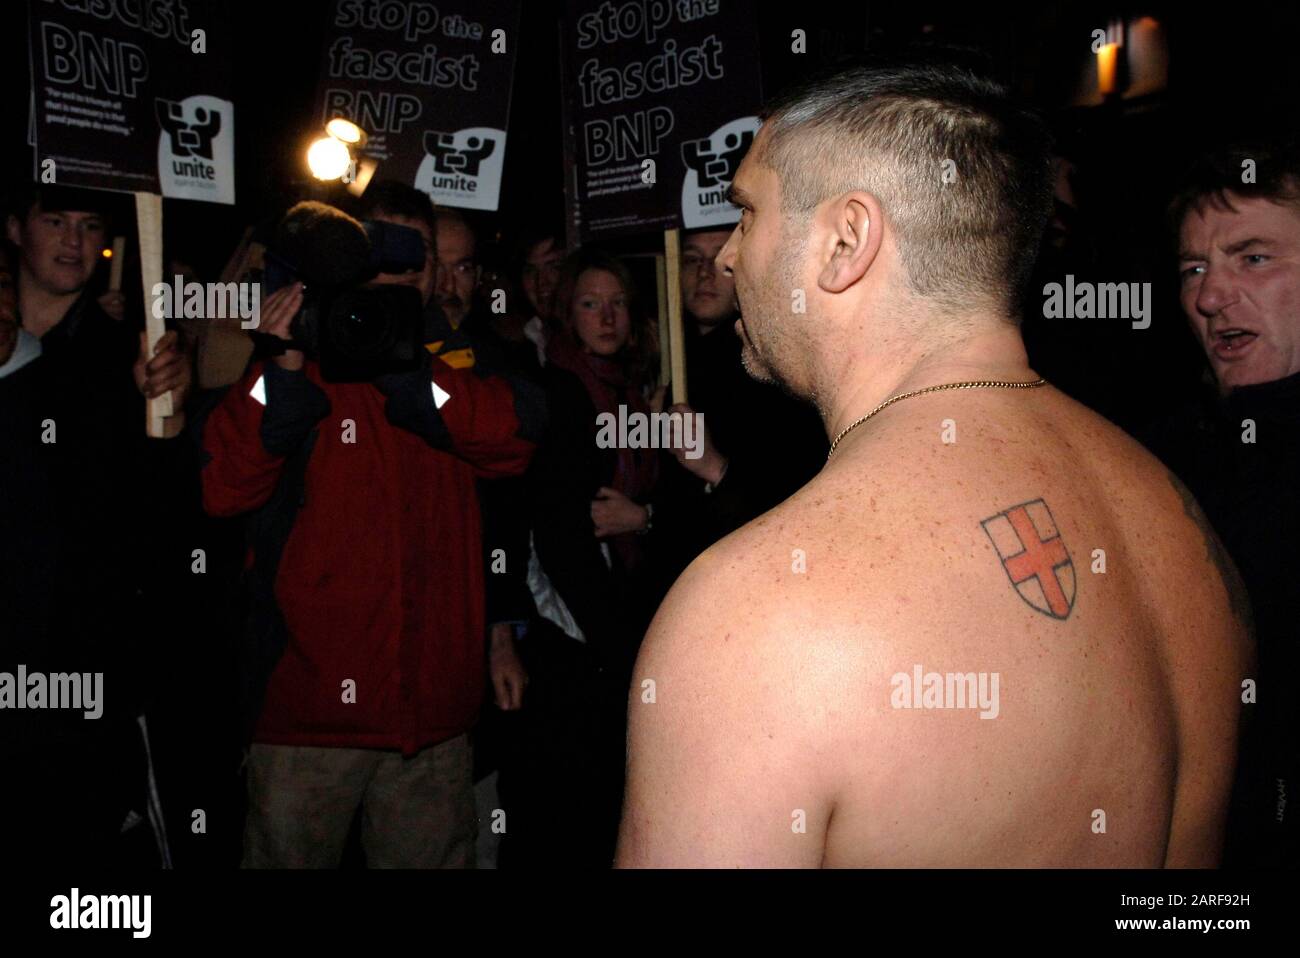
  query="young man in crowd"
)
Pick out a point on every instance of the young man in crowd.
point(543, 254)
point(91, 572)
point(760, 444)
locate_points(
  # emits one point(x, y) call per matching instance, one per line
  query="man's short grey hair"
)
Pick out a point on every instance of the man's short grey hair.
point(963, 175)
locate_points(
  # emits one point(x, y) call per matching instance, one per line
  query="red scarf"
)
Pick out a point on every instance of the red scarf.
point(609, 385)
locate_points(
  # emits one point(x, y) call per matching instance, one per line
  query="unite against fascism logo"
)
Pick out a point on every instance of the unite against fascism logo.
point(462, 168)
point(196, 148)
point(711, 163)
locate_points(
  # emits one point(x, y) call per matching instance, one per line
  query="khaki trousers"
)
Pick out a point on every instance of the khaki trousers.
point(416, 812)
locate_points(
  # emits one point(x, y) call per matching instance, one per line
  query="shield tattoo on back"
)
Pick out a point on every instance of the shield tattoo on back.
point(1034, 557)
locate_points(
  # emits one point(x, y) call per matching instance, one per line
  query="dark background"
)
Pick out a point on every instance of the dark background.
point(1231, 67)
point(1232, 73)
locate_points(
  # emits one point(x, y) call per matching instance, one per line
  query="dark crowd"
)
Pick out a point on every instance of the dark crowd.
point(362, 622)
point(393, 615)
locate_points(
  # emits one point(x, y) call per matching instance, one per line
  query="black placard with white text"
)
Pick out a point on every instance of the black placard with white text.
point(134, 96)
point(662, 99)
point(430, 85)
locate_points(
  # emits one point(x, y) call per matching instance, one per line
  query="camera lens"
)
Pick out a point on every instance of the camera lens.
point(370, 331)
point(362, 325)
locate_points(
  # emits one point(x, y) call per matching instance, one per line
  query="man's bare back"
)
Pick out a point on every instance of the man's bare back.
point(1023, 647)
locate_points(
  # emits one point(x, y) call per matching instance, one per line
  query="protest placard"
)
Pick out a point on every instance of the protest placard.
point(108, 77)
point(430, 86)
point(662, 101)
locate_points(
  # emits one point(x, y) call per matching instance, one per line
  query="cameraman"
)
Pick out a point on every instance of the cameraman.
point(464, 339)
point(366, 579)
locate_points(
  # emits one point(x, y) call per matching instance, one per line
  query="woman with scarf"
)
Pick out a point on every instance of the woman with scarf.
point(595, 576)
point(595, 500)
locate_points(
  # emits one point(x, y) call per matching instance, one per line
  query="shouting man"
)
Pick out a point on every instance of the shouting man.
point(1239, 449)
point(993, 630)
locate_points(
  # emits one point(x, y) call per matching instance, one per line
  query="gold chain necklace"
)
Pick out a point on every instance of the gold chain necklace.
point(977, 384)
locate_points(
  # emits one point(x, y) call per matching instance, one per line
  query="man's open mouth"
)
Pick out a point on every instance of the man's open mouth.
point(1232, 341)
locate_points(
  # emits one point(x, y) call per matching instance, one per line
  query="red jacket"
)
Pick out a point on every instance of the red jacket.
point(380, 581)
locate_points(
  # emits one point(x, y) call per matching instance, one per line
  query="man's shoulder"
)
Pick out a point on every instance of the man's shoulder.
point(779, 645)
point(895, 544)
point(777, 591)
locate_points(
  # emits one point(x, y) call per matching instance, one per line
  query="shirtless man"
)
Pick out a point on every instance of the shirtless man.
point(795, 722)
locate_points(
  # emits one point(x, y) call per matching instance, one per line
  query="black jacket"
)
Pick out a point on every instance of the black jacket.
point(74, 468)
point(774, 445)
point(611, 606)
point(1249, 491)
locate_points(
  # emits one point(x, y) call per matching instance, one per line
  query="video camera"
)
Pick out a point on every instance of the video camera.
point(355, 331)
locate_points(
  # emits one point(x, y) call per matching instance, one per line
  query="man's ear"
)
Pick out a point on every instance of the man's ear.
point(14, 230)
point(854, 223)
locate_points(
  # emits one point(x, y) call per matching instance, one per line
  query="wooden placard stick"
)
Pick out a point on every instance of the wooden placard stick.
point(661, 284)
point(676, 336)
point(148, 218)
point(116, 263)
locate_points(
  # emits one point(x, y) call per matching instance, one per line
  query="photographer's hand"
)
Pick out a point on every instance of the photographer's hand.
point(277, 314)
